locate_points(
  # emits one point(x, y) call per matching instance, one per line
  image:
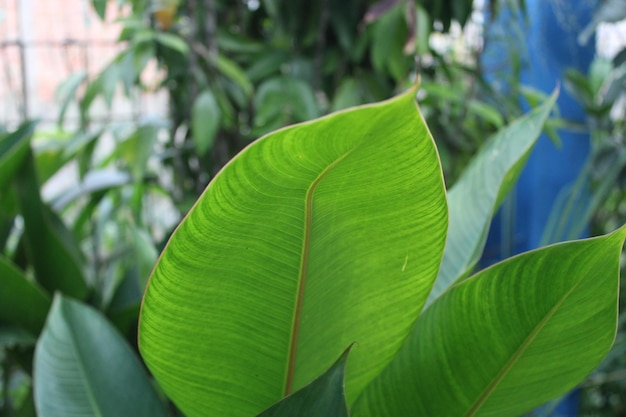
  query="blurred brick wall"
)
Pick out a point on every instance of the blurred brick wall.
point(56, 38)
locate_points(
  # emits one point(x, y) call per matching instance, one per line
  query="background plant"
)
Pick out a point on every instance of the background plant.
point(233, 72)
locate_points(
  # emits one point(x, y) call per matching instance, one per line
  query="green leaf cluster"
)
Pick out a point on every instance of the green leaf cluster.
point(336, 232)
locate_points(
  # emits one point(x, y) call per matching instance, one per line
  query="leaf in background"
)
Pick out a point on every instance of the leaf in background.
point(389, 37)
point(94, 181)
point(279, 266)
point(348, 94)
point(13, 149)
point(324, 397)
point(22, 303)
point(175, 42)
point(488, 113)
point(267, 64)
point(8, 213)
point(233, 71)
point(477, 194)
point(54, 259)
point(508, 339)
point(83, 367)
point(236, 43)
point(55, 149)
point(100, 6)
point(145, 253)
point(136, 149)
point(606, 11)
point(205, 121)
point(283, 100)
point(66, 92)
point(12, 336)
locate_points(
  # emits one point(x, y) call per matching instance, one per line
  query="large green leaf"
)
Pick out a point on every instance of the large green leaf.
point(477, 194)
point(508, 339)
point(83, 367)
point(21, 301)
point(324, 397)
point(316, 236)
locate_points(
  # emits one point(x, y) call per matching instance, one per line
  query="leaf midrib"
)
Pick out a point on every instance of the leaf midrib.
point(518, 354)
point(308, 215)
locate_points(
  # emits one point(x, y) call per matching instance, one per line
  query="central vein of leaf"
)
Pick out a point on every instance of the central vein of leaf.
point(520, 351)
point(308, 215)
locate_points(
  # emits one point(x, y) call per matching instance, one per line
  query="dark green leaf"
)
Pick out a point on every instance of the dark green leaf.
point(324, 397)
point(22, 302)
point(233, 71)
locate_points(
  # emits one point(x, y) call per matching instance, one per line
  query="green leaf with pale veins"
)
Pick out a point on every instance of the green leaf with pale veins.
point(508, 339)
point(316, 236)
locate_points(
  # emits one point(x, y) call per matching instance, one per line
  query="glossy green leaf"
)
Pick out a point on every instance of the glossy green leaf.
point(83, 367)
point(49, 246)
point(22, 303)
point(280, 264)
point(205, 121)
point(508, 339)
point(13, 149)
point(477, 194)
point(324, 397)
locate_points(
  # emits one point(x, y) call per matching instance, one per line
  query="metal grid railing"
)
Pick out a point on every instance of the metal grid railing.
point(44, 42)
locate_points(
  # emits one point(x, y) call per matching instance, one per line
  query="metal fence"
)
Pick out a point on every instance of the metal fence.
point(44, 42)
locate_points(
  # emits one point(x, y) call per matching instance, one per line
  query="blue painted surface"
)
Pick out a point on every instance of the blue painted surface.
point(547, 41)
point(550, 46)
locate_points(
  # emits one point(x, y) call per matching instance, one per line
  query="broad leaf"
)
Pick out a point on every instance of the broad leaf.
point(83, 367)
point(324, 397)
point(22, 303)
point(477, 194)
point(205, 120)
point(508, 339)
point(314, 237)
